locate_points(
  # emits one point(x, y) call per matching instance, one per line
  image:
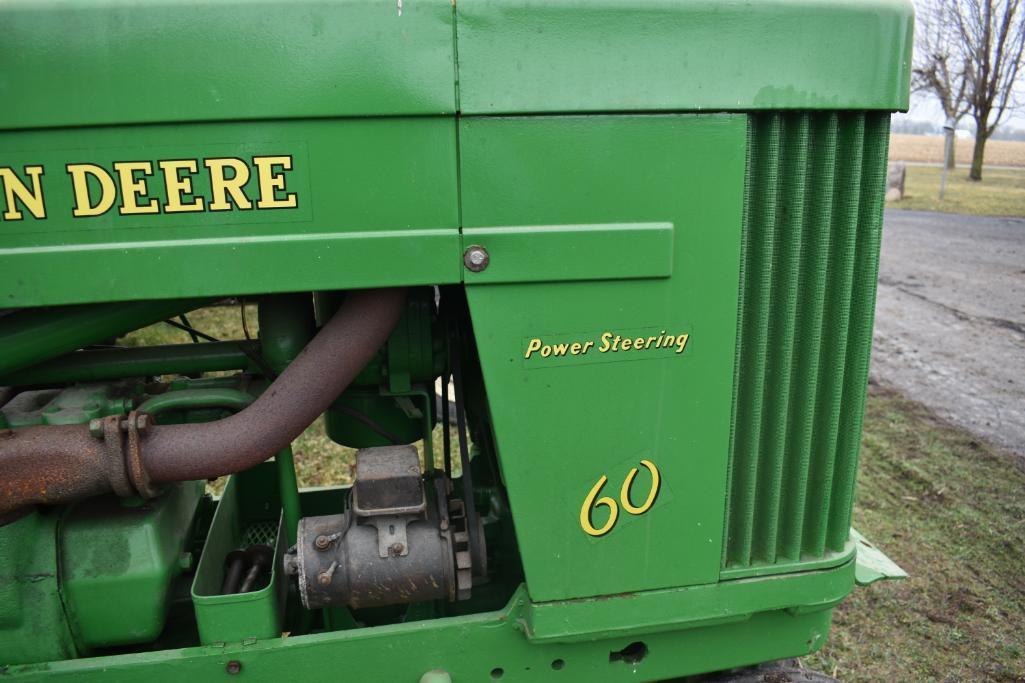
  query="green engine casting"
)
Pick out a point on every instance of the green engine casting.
point(610, 266)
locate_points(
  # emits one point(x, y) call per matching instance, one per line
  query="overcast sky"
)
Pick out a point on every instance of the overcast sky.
point(925, 108)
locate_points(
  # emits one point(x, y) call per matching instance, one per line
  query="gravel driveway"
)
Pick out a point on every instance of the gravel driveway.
point(950, 319)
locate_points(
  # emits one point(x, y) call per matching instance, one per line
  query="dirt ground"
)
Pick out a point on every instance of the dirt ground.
point(950, 319)
point(929, 149)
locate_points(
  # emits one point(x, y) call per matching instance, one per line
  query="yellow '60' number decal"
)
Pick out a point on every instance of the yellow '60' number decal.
point(592, 501)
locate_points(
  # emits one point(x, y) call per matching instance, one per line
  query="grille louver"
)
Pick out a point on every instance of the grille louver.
point(810, 253)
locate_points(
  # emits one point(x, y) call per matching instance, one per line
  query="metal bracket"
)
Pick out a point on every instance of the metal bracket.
point(872, 565)
point(391, 534)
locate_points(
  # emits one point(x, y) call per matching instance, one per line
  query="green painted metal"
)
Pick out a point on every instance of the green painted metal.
point(413, 347)
point(118, 562)
point(744, 166)
point(346, 423)
point(811, 233)
point(375, 205)
point(29, 337)
point(673, 55)
point(183, 61)
point(563, 422)
point(288, 489)
point(69, 406)
point(639, 614)
point(782, 566)
point(436, 676)
point(143, 361)
point(249, 512)
point(556, 253)
point(872, 564)
point(286, 326)
point(33, 627)
point(186, 399)
point(253, 60)
point(486, 642)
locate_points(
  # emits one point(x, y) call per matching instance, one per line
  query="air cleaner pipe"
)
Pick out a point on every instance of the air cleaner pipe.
point(33, 335)
point(96, 365)
point(49, 464)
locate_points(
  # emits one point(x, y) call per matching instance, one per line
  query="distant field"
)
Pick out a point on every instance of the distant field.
point(929, 149)
point(1001, 192)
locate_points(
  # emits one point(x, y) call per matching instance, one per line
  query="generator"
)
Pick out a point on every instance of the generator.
point(588, 285)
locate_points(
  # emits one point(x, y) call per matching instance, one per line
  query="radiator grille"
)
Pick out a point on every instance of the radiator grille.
point(810, 253)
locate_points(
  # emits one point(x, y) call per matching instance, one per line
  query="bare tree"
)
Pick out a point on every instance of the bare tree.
point(992, 38)
point(940, 68)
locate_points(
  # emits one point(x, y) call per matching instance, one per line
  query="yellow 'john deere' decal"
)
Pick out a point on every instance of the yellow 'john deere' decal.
point(152, 187)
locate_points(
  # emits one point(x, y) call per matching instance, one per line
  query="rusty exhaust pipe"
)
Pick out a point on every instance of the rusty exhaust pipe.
point(50, 465)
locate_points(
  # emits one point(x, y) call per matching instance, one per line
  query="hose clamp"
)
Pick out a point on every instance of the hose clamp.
point(122, 446)
point(136, 426)
point(113, 447)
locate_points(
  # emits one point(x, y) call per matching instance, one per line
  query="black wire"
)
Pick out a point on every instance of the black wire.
point(259, 361)
point(464, 454)
point(191, 330)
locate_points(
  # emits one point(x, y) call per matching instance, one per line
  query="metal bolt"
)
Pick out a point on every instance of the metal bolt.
point(476, 258)
point(322, 542)
point(396, 549)
point(234, 667)
point(324, 578)
point(142, 422)
point(96, 428)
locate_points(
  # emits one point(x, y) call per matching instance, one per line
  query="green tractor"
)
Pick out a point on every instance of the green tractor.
point(588, 285)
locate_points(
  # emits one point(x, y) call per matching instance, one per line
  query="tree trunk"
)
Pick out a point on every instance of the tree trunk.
point(977, 155)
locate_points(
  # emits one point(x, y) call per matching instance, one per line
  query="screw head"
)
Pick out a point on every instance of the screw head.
point(476, 258)
point(96, 428)
point(323, 578)
point(321, 542)
point(233, 667)
point(396, 549)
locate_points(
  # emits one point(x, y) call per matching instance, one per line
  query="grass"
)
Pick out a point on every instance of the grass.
point(1000, 193)
point(929, 149)
point(221, 322)
point(950, 510)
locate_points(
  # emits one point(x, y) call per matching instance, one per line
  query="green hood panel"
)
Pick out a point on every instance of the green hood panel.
point(103, 62)
point(100, 62)
point(683, 55)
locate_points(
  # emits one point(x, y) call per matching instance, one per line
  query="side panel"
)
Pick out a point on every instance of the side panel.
point(564, 421)
point(374, 204)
